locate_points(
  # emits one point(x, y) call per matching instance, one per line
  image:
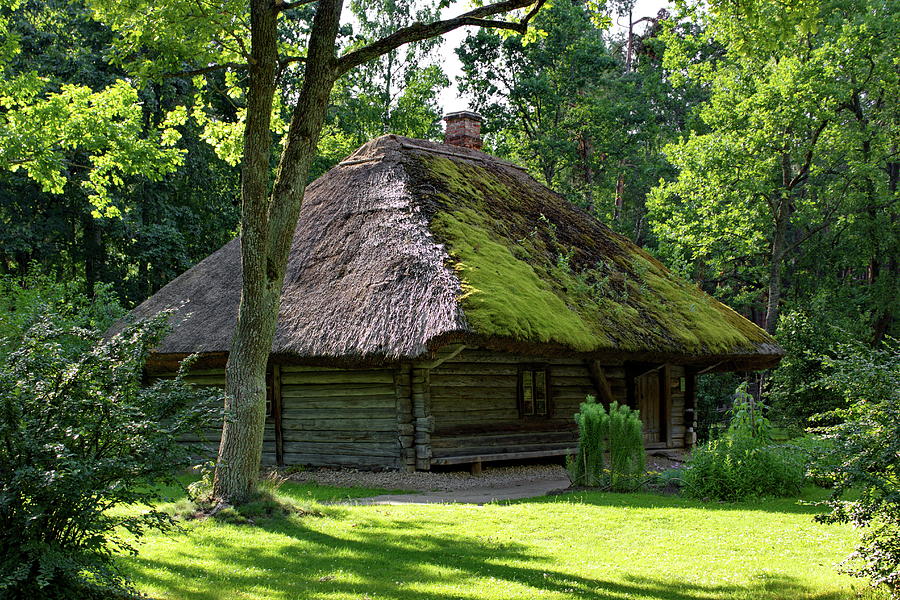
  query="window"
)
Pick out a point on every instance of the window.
point(533, 392)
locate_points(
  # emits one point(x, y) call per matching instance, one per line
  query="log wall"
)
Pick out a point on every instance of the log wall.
point(340, 417)
point(474, 403)
point(332, 417)
point(208, 440)
point(419, 414)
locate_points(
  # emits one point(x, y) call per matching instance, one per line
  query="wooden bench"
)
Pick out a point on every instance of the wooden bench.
point(476, 460)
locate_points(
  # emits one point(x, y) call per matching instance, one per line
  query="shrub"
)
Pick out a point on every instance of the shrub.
point(821, 460)
point(23, 302)
point(626, 448)
point(744, 463)
point(593, 424)
point(78, 437)
point(618, 433)
point(865, 457)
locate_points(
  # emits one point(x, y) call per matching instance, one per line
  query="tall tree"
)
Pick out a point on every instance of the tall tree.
point(791, 183)
point(564, 104)
point(163, 221)
point(527, 86)
point(269, 208)
point(49, 125)
point(385, 79)
point(397, 93)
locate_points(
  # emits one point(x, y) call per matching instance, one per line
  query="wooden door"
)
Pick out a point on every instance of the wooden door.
point(647, 399)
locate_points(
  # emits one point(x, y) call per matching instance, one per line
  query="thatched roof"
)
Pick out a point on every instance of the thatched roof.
point(408, 245)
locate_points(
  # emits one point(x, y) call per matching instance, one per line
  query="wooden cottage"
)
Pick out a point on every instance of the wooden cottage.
point(442, 307)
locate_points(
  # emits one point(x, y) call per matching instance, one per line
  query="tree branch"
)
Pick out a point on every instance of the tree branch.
point(283, 62)
point(807, 161)
point(281, 6)
point(421, 31)
point(209, 69)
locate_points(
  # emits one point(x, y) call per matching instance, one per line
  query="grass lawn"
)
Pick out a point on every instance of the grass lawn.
point(579, 545)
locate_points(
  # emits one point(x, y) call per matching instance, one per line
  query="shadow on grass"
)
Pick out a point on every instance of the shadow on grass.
point(398, 563)
point(803, 505)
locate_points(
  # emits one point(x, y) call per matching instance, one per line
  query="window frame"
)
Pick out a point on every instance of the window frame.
point(534, 369)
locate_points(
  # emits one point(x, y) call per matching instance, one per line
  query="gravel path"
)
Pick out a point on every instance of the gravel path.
point(494, 483)
point(426, 481)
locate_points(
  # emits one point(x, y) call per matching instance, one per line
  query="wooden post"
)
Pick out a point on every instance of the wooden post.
point(405, 419)
point(690, 407)
point(665, 397)
point(424, 422)
point(276, 415)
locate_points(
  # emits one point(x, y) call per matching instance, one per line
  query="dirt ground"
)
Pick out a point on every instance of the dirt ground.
point(495, 483)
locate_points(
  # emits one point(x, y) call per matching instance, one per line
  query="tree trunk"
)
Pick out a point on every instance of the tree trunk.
point(267, 229)
point(620, 193)
point(240, 449)
point(782, 216)
point(772, 306)
point(268, 221)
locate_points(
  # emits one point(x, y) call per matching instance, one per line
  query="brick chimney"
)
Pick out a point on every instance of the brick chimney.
point(463, 129)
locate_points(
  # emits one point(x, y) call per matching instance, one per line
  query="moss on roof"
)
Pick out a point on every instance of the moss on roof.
point(534, 268)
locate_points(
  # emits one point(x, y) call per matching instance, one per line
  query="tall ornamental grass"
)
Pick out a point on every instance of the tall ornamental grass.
point(615, 433)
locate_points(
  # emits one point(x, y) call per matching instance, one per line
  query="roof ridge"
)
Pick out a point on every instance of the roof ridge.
point(409, 144)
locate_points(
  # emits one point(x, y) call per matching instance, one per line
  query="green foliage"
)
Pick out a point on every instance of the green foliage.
point(865, 457)
point(821, 460)
point(626, 448)
point(45, 122)
point(587, 467)
point(164, 225)
point(79, 437)
point(748, 418)
point(787, 182)
point(617, 433)
point(715, 394)
point(395, 93)
point(24, 303)
point(744, 463)
point(797, 391)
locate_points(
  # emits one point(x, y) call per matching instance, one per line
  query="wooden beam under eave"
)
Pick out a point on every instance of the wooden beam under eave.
point(601, 384)
point(441, 356)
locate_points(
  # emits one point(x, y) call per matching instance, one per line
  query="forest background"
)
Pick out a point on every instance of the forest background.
point(753, 150)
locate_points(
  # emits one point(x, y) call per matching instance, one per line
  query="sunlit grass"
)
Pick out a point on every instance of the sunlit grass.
point(582, 545)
